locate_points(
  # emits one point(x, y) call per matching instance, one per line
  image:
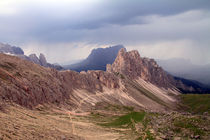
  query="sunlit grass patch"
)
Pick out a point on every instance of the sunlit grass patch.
point(126, 120)
point(196, 103)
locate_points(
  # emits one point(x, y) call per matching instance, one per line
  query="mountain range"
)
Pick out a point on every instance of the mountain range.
point(31, 84)
point(17, 51)
point(134, 94)
point(99, 58)
point(6, 48)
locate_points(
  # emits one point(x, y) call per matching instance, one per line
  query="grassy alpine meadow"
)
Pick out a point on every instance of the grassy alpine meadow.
point(196, 103)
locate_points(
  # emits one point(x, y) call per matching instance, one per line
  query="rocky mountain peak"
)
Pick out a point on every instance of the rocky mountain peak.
point(133, 66)
point(121, 52)
point(43, 60)
point(34, 58)
point(125, 63)
point(6, 48)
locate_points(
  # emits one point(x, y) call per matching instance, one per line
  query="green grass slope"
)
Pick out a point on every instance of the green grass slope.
point(196, 103)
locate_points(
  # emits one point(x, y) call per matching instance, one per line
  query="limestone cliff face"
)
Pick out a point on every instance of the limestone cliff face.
point(29, 84)
point(133, 66)
point(91, 81)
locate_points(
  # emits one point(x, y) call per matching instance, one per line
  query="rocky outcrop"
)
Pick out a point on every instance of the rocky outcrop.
point(34, 58)
point(6, 48)
point(43, 61)
point(91, 81)
point(40, 61)
point(16, 51)
point(133, 66)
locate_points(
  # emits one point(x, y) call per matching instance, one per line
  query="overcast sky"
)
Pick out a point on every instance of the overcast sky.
point(66, 30)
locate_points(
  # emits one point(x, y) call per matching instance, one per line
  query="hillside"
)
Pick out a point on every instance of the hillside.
point(30, 85)
point(131, 80)
point(89, 105)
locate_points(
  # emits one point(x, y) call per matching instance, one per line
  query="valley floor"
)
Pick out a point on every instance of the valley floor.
point(43, 123)
point(105, 122)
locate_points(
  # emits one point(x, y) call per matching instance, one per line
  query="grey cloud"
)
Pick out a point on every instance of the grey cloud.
point(118, 12)
point(128, 22)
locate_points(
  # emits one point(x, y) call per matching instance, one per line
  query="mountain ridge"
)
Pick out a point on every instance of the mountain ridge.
point(146, 62)
point(133, 66)
point(30, 84)
point(6, 48)
point(70, 104)
point(38, 85)
point(17, 51)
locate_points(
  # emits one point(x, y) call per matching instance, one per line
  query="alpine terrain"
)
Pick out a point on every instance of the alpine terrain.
point(133, 99)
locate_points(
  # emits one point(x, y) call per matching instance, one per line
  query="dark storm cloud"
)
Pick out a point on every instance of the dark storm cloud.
point(123, 11)
point(39, 20)
point(105, 22)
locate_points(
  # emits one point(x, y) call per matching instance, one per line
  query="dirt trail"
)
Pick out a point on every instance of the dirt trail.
point(21, 123)
point(90, 131)
point(87, 130)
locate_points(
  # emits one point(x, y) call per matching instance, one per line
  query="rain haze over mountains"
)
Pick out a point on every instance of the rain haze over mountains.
point(159, 29)
point(168, 31)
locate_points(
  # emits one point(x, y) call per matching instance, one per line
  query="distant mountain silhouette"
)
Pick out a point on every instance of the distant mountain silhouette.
point(184, 68)
point(6, 48)
point(17, 51)
point(199, 88)
point(97, 60)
